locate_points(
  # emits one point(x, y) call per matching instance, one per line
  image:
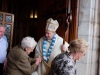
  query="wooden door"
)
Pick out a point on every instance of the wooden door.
point(7, 19)
point(71, 20)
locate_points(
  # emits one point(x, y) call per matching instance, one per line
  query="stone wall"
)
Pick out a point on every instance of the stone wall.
point(89, 29)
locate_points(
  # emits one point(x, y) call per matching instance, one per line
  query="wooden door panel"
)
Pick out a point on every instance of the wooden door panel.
point(7, 19)
point(71, 20)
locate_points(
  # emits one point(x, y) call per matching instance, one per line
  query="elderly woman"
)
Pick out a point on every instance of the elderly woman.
point(64, 64)
point(18, 61)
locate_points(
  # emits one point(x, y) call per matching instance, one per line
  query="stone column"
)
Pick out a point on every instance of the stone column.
point(89, 29)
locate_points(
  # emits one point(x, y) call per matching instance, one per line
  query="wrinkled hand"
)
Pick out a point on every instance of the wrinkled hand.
point(38, 60)
point(5, 64)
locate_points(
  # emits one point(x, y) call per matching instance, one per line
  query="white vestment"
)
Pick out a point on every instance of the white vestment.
point(44, 68)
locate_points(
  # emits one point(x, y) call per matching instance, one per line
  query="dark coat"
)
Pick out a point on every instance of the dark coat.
point(19, 63)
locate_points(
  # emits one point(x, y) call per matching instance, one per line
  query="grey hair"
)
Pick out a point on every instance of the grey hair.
point(28, 42)
point(78, 45)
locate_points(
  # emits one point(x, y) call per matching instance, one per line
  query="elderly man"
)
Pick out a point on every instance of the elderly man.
point(64, 63)
point(18, 61)
point(49, 46)
point(3, 48)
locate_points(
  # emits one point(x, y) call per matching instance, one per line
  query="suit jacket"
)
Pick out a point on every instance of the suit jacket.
point(19, 63)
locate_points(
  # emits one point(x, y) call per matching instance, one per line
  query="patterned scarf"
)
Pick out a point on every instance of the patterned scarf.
point(46, 54)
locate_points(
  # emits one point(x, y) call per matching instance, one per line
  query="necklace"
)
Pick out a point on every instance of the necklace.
point(45, 53)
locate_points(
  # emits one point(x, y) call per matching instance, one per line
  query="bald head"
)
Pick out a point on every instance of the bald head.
point(2, 30)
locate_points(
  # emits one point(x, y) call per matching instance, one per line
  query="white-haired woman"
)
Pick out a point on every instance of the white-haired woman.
point(18, 61)
point(64, 64)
